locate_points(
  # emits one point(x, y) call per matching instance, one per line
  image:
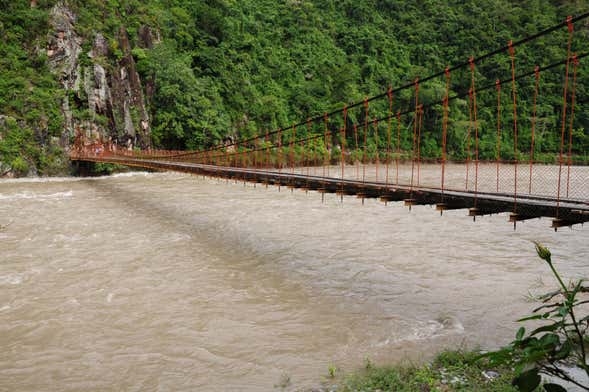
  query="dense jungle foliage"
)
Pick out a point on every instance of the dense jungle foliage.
point(236, 68)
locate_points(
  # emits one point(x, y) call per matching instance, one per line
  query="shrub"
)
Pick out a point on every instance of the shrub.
point(19, 166)
point(559, 343)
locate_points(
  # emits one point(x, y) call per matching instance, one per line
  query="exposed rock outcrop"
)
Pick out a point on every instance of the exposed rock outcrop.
point(147, 38)
point(102, 101)
point(128, 96)
point(63, 49)
point(3, 120)
point(99, 47)
point(64, 46)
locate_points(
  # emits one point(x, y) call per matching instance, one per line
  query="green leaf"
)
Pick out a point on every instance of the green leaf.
point(527, 381)
point(564, 351)
point(530, 341)
point(520, 333)
point(534, 317)
point(554, 388)
point(545, 328)
point(519, 367)
point(549, 340)
point(549, 314)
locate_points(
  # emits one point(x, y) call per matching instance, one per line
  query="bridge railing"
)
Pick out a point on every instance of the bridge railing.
point(497, 124)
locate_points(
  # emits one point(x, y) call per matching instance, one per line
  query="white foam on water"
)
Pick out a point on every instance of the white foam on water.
point(36, 196)
point(128, 174)
point(438, 327)
point(424, 330)
point(5, 307)
point(11, 279)
point(29, 180)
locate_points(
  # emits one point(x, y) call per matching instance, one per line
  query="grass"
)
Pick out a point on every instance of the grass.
point(449, 371)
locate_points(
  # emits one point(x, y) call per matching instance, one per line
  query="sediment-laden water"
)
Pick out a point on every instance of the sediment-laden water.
point(166, 282)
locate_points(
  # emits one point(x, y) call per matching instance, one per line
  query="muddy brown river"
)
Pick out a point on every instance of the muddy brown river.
point(169, 282)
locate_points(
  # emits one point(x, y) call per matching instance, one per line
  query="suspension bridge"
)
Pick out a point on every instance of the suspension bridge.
point(457, 139)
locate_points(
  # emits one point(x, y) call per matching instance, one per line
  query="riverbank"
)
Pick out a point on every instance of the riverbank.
point(87, 169)
point(449, 371)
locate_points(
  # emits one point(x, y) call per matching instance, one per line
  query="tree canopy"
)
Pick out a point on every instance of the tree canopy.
point(235, 68)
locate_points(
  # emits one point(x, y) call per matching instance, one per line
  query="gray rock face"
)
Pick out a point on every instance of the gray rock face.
point(68, 123)
point(97, 90)
point(64, 46)
point(128, 98)
point(117, 95)
point(99, 47)
point(63, 49)
point(3, 119)
point(5, 171)
point(147, 39)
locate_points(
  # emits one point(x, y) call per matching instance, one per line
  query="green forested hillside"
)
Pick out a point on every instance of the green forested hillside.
point(228, 67)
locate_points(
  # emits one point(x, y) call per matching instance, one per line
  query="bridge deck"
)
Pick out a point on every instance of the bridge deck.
point(565, 212)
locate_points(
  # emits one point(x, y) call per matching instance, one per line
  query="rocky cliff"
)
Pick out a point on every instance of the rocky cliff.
point(104, 94)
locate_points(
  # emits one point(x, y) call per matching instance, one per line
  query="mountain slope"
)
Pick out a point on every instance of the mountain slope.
point(185, 74)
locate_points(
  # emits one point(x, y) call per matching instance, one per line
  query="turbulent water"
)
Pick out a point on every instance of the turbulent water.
point(167, 282)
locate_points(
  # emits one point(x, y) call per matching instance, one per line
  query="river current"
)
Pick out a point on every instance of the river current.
point(170, 282)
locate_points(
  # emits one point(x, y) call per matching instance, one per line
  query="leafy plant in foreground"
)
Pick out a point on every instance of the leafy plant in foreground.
point(554, 347)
